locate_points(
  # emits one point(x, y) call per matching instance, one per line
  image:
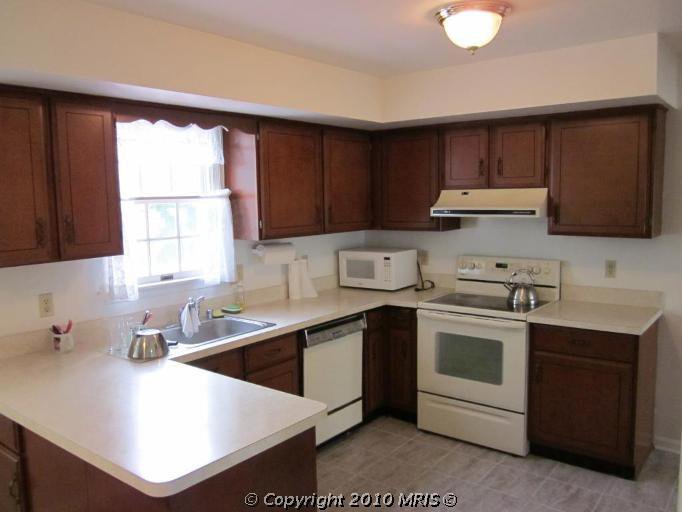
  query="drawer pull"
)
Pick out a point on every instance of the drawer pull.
point(41, 236)
point(69, 230)
point(13, 488)
point(481, 167)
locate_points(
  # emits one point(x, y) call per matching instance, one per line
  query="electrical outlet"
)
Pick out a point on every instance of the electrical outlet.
point(610, 269)
point(45, 305)
point(423, 257)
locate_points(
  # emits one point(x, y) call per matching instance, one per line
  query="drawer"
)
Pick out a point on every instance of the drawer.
point(271, 352)
point(581, 342)
point(400, 318)
point(282, 377)
point(230, 364)
point(375, 319)
point(8, 434)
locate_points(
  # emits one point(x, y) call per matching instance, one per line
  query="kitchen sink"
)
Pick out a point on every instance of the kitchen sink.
point(214, 330)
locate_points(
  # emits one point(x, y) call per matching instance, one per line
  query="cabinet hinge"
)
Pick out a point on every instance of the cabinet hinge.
point(258, 136)
point(260, 224)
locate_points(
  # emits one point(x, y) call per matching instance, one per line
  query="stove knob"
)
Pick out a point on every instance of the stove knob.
point(536, 270)
point(472, 266)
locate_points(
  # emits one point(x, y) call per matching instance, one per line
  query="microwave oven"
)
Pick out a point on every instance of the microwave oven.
point(378, 269)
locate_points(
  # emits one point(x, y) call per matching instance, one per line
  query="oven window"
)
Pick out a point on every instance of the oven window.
point(470, 358)
point(360, 269)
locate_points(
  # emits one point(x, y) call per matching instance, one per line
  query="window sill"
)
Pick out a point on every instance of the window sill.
point(163, 287)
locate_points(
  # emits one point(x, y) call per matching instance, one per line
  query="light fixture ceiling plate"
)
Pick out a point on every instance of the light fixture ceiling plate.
point(498, 7)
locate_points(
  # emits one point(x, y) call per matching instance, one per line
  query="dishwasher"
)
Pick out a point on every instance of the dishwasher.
point(332, 373)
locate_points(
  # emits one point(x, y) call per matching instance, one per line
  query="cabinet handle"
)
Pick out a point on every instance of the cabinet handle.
point(69, 231)
point(481, 170)
point(40, 232)
point(538, 373)
point(499, 166)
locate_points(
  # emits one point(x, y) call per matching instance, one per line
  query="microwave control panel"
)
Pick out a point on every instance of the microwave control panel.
point(387, 269)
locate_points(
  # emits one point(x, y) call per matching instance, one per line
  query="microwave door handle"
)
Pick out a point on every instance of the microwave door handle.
point(473, 320)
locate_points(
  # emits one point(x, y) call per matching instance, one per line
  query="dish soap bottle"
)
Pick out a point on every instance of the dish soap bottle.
point(240, 295)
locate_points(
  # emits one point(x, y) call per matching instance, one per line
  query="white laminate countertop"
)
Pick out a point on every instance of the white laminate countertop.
point(162, 426)
point(597, 316)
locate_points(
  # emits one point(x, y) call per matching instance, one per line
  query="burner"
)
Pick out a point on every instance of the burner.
point(489, 302)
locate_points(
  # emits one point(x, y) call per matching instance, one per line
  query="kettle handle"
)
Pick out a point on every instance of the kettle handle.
point(509, 284)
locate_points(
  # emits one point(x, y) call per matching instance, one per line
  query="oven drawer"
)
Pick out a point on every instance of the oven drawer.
point(473, 423)
point(582, 342)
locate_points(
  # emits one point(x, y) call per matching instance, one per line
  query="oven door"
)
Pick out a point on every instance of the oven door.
point(475, 359)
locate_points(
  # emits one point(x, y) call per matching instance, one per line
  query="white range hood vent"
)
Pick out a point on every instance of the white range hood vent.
point(499, 202)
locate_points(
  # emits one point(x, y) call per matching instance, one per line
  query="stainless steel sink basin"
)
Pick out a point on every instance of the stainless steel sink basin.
point(214, 330)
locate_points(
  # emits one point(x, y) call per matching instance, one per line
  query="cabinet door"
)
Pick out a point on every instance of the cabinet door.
point(376, 366)
point(409, 180)
point(402, 348)
point(347, 181)
point(291, 183)
point(600, 176)
point(27, 224)
point(465, 158)
point(230, 364)
point(87, 181)
point(518, 156)
point(282, 377)
point(11, 491)
point(582, 405)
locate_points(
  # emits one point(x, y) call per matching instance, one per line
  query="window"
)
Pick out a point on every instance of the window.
point(177, 222)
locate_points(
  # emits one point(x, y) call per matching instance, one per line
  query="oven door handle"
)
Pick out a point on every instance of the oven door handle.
point(473, 320)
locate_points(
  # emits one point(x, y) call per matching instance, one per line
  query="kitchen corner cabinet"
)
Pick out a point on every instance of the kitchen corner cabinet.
point(591, 396)
point(27, 215)
point(12, 482)
point(410, 182)
point(290, 180)
point(89, 208)
point(606, 174)
point(347, 181)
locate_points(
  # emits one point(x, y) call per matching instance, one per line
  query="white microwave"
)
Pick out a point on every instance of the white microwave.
point(378, 269)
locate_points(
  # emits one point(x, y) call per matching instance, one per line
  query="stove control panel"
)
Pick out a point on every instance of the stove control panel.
point(498, 269)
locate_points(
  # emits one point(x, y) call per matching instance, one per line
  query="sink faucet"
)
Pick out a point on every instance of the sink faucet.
point(192, 303)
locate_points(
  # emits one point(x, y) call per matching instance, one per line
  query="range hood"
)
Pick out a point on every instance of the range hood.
point(492, 202)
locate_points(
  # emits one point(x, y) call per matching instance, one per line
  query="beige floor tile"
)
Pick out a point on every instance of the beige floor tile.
point(474, 450)
point(566, 497)
point(612, 504)
point(395, 426)
point(531, 464)
point(581, 477)
point(419, 453)
point(379, 441)
point(651, 488)
point(392, 472)
point(510, 481)
point(438, 441)
point(464, 467)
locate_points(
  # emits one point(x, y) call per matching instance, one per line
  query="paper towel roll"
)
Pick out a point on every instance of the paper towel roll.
point(300, 284)
point(275, 254)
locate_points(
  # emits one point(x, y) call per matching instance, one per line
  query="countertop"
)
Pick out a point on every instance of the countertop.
point(162, 426)
point(597, 316)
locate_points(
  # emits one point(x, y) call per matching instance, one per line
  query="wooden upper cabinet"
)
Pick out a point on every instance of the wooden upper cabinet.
point(606, 175)
point(409, 179)
point(27, 223)
point(347, 181)
point(291, 184)
point(465, 158)
point(518, 156)
point(89, 207)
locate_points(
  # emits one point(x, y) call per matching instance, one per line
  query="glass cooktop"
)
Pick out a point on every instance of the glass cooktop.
point(488, 302)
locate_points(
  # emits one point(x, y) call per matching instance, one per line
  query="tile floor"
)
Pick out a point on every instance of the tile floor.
point(389, 455)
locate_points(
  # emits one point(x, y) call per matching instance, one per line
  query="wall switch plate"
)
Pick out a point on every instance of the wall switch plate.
point(610, 269)
point(45, 305)
point(423, 257)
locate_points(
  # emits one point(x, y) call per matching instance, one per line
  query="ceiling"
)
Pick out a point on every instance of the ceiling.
point(386, 37)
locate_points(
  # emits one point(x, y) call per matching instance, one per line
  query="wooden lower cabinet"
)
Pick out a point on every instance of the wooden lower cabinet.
point(375, 363)
point(272, 363)
point(11, 482)
point(61, 482)
point(282, 377)
point(591, 396)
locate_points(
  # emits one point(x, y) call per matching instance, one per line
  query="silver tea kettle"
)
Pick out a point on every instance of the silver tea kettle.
point(148, 344)
point(521, 294)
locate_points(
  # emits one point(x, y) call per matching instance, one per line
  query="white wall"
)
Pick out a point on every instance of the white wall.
point(75, 285)
point(642, 264)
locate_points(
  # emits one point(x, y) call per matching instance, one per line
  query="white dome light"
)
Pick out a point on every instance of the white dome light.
point(473, 24)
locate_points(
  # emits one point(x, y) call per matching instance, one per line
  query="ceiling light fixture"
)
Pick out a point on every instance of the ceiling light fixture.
point(472, 24)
